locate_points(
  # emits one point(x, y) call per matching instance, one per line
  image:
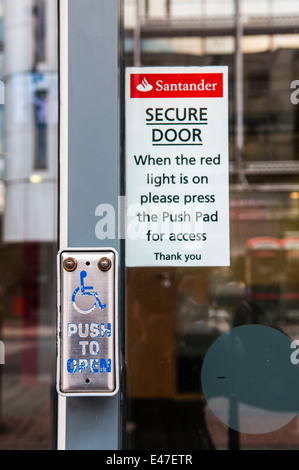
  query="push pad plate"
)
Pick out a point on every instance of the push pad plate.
point(87, 323)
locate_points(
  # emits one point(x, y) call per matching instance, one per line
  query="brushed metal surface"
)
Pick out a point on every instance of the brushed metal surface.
point(87, 324)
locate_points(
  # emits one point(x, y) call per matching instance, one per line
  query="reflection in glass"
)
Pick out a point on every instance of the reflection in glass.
point(40, 108)
point(28, 233)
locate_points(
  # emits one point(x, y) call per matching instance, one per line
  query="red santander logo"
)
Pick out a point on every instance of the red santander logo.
point(176, 85)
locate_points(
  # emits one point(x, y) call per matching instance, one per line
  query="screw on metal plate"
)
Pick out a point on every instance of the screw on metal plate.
point(70, 264)
point(104, 264)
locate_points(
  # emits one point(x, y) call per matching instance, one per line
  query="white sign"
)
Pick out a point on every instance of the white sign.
point(177, 168)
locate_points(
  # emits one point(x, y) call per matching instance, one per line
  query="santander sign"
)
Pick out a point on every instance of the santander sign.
point(176, 85)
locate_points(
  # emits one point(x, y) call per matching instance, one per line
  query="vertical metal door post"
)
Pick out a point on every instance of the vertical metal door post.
point(89, 176)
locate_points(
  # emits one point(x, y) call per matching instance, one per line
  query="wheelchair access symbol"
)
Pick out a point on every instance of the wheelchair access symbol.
point(86, 290)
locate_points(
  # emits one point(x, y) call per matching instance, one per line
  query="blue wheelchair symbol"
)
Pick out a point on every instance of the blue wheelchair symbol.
point(86, 290)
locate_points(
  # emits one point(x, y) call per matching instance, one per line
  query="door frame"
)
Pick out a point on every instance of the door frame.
point(89, 176)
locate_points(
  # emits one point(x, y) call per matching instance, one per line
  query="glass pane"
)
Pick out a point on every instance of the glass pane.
point(28, 147)
point(177, 317)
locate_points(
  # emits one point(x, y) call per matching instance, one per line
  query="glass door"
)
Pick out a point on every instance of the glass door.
point(209, 349)
point(28, 177)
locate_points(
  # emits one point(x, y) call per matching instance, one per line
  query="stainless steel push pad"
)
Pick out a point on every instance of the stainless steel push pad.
point(87, 345)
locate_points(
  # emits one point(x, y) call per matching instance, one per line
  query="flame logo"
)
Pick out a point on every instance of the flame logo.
point(144, 86)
